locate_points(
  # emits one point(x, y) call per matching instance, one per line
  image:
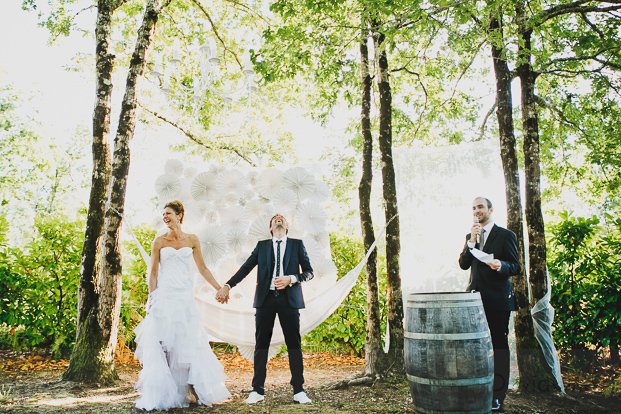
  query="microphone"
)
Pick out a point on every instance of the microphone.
point(475, 219)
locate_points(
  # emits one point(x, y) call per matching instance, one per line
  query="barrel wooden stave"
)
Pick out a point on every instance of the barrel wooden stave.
point(448, 352)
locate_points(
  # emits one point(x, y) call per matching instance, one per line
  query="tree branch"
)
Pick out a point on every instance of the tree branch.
point(550, 105)
point(216, 33)
point(575, 7)
point(197, 140)
point(489, 113)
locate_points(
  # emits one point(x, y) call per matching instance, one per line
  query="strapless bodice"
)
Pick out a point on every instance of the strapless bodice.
point(175, 268)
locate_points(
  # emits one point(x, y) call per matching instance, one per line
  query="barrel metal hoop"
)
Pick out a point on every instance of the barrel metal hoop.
point(464, 304)
point(450, 337)
point(451, 383)
point(425, 411)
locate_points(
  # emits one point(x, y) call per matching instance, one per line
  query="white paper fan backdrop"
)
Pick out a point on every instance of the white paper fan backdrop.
point(269, 182)
point(173, 166)
point(232, 181)
point(213, 243)
point(203, 186)
point(285, 201)
point(167, 187)
point(300, 181)
point(311, 217)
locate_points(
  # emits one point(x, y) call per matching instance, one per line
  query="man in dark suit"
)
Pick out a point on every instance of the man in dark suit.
point(493, 281)
point(283, 266)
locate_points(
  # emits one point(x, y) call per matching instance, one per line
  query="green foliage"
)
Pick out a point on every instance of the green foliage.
point(135, 288)
point(39, 284)
point(345, 329)
point(38, 173)
point(585, 269)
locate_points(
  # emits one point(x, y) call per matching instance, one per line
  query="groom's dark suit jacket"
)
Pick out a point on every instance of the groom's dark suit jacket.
point(295, 262)
point(495, 286)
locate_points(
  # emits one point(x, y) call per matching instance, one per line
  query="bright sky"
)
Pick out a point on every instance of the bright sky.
point(64, 99)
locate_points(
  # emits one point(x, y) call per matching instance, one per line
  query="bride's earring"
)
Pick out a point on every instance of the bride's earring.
point(178, 223)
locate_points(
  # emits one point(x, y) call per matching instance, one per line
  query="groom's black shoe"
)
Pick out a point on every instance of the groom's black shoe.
point(496, 405)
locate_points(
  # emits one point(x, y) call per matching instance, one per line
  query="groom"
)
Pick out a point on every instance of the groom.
point(283, 265)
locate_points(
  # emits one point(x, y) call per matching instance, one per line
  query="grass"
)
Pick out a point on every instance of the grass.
point(6, 394)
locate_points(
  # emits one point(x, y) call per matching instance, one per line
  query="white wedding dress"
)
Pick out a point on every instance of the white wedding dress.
point(172, 344)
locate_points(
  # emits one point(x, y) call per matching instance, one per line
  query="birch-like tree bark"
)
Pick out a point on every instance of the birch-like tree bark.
point(389, 188)
point(100, 283)
point(374, 354)
point(87, 363)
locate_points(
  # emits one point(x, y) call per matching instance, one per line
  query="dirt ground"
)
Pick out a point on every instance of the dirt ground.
point(36, 390)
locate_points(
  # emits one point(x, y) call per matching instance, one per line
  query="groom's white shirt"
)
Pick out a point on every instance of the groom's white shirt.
point(283, 246)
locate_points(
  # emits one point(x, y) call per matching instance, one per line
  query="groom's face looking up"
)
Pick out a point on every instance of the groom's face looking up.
point(279, 222)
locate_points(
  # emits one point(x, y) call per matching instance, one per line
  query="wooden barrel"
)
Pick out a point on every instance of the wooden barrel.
point(449, 358)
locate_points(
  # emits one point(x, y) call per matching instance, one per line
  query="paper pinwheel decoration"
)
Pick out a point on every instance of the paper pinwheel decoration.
point(284, 201)
point(216, 168)
point(324, 267)
point(300, 181)
point(311, 217)
point(313, 250)
point(260, 228)
point(190, 173)
point(167, 187)
point(252, 177)
point(236, 238)
point(232, 181)
point(259, 207)
point(213, 243)
point(173, 166)
point(322, 192)
point(203, 186)
point(269, 182)
point(234, 217)
point(323, 239)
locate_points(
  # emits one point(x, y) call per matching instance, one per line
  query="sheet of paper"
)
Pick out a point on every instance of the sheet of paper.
point(482, 256)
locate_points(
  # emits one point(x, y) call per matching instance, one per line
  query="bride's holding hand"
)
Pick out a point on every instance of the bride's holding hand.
point(179, 366)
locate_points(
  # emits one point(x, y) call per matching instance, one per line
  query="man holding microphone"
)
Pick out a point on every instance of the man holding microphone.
point(493, 281)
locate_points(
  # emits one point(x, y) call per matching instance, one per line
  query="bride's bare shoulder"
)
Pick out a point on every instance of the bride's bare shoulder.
point(159, 240)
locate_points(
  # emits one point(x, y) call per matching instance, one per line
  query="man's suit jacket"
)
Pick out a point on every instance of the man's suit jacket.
point(295, 257)
point(495, 286)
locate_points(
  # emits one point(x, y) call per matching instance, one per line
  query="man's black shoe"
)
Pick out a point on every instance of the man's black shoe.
point(496, 405)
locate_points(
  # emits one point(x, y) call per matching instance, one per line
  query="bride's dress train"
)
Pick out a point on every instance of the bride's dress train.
point(172, 344)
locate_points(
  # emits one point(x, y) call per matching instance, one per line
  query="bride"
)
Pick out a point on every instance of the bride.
point(179, 366)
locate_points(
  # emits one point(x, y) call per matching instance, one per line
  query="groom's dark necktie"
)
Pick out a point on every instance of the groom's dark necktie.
point(277, 263)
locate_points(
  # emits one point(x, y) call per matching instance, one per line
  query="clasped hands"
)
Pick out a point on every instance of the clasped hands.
point(280, 283)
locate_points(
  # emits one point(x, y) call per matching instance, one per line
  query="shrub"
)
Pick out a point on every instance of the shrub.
point(345, 329)
point(39, 283)
point(135, 288)
point(585, 270)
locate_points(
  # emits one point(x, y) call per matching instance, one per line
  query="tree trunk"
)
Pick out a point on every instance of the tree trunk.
point(528, 353)
point(110, 299)
point(374, 354)
point(100, 309)
point(393, 245)
point(538, 281)
point(88, 362)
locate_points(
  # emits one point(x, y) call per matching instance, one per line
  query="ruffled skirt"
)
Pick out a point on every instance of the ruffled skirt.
point(175, 354)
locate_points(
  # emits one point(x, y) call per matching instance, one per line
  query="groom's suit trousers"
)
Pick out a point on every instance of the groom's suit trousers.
point(290, 322)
